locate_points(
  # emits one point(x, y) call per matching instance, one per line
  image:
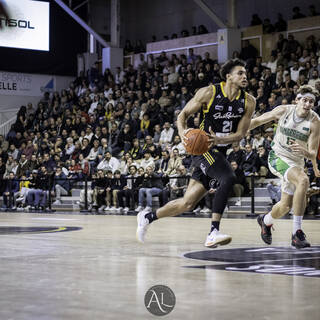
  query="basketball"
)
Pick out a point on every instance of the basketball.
point(197, 142)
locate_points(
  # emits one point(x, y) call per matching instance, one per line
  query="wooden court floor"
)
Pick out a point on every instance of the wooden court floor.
point(101, 272)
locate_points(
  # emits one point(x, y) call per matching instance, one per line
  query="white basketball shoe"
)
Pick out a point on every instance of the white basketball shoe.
point(216, 238)
point(143, 224)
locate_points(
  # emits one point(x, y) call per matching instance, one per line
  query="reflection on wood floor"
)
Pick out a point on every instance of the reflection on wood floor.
point(97, 270)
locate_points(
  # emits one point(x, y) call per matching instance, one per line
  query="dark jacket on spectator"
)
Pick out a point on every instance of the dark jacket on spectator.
point(238, 156)
point(12, 185)
point(250, 163)
point(152, 181)
point(118, 184)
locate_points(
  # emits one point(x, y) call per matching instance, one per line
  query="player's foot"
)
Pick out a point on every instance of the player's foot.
point(299, 240)
point(266, 235)
point(143, 224)
point(216, 238)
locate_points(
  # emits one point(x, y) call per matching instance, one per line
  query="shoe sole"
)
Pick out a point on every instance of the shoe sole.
point(297, 247)
point(222, 243)
point(137, 236)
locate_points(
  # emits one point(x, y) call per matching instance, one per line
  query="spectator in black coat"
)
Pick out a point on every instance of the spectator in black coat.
point(12, 186)
point(236, 154)
point(250, 164)
point(151, 186)
point(240, 186)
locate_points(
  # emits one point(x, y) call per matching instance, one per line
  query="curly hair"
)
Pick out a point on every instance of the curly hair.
point(308, 89)
point(229, 65)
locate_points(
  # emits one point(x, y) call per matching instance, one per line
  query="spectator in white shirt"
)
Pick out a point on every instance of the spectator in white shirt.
point(93, 154)
point(119, 76)
point(178, 145)
point(147, 160)
point(271, 64)
point(314, 78)
point(166, 135)
point(89, 133)
point(109, 163)
point(69, 148)
point(294, 71)
point(94, 105)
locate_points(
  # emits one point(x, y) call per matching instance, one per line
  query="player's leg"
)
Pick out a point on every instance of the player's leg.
point(194, 193)
point(278, 210)
point(279, 167)
point(298, 177)
point(219, 169)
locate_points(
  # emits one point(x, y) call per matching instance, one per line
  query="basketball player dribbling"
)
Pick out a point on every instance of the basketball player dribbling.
point(226, 111)
point(296, 138)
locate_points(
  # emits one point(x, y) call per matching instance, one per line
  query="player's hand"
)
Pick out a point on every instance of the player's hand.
point(297, 149)
point(183, 136)
point(316, 172)
point(212, 138)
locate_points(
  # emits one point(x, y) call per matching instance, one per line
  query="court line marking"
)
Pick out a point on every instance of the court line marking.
point(254, 261)
point(55, 219)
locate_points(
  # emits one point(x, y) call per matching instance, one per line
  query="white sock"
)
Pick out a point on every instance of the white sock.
point(297, 221)
point(268, 220)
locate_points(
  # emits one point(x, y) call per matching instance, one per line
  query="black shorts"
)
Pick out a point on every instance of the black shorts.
point(217, 163)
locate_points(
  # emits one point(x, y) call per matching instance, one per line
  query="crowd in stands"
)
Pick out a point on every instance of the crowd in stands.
point(119, 130)
point(281, 24)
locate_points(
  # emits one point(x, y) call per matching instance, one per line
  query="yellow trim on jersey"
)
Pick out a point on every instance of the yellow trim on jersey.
point(209, 158)
point(222, 90)
point(206, 157)
point(206, 110)
point(245, 100)
point(224, 93)
point(202, 125)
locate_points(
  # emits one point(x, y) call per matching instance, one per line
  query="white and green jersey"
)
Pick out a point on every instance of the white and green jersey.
point(292, 129)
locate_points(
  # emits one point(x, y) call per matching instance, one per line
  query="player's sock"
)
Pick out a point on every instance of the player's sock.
point(268, 220)
point(151, 216)
point(297, 221)
point(215, 225)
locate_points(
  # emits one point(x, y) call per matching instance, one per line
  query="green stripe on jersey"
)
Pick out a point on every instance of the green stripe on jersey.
point(277, 163)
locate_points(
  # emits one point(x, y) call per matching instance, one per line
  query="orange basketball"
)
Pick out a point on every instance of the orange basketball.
point(197, 142)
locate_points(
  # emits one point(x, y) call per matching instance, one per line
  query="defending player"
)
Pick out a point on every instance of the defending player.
point(297, 138)
point(226, 111)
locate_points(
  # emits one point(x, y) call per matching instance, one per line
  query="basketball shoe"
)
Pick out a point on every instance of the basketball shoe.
point(299, 240)
point(266, 235)
point(216, 238)
point(143, 224)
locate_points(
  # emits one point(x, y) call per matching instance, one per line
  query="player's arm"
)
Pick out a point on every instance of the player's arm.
point(313, 145)
point(273, 115)
point(202, 96)
point(242, 126)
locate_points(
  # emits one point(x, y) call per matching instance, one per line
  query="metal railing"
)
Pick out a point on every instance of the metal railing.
point(6, 126)
point(86, 180)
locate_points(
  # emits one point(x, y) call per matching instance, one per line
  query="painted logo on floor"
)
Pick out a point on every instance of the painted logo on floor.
point(270, 260)
point(15, 230)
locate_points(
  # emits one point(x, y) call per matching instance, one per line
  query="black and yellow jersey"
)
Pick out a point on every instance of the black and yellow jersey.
point(221, 114)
